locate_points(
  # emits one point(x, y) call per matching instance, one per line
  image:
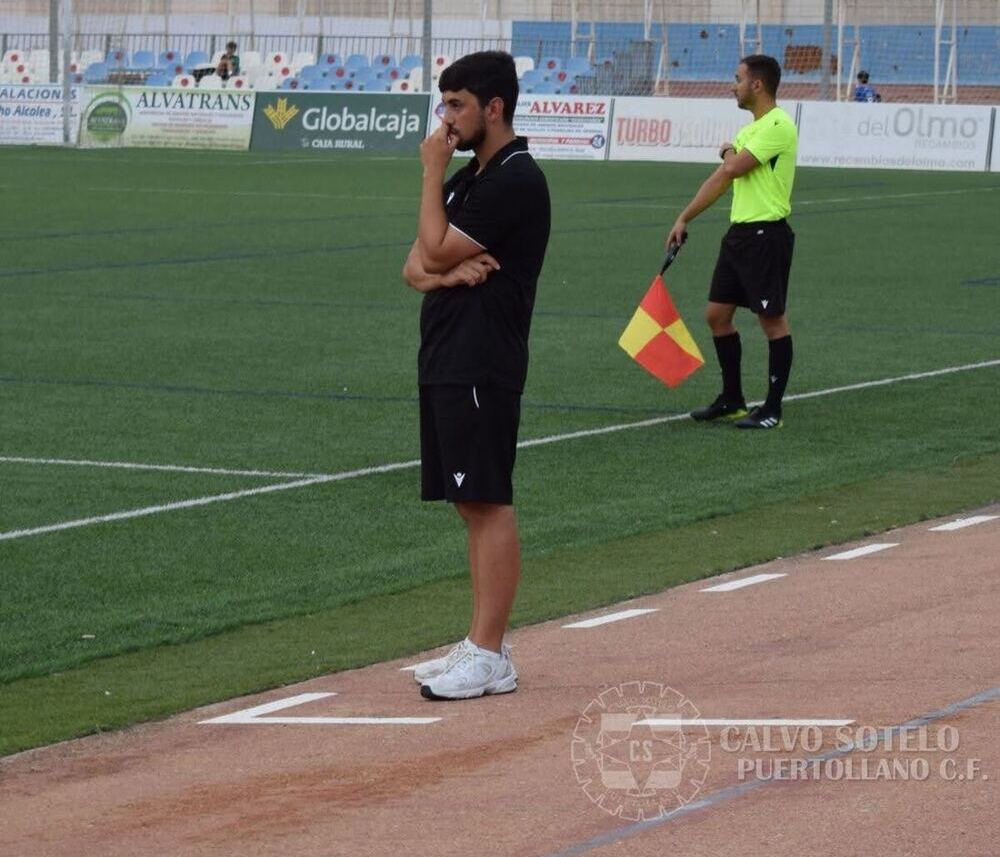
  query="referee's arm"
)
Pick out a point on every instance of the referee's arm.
point(733, 166)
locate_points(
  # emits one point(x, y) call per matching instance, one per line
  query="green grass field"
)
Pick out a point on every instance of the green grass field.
point(245, 313)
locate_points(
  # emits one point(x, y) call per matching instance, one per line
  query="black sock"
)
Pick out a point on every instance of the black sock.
point(730, 353)
point(779, 367)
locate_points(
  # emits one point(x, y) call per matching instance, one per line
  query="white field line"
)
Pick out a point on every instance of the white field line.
point(259, 715)
point(962, 523)
point(205, 501)
point(269, 193)
point(406, 465)
point(739, 584)
point(172, 468)
point(718, 721)
point(863, 551)
point(671, 206)
point(612, 617)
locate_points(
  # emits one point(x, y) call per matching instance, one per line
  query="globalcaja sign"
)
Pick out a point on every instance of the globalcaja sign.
point(894, 136)
point(340, 122)
point(33, 114)
point(159, 117)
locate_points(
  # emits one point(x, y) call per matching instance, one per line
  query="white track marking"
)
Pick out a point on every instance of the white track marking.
point(406, 465)
point(961, 523)
point(739, 584)
point(963, 191)
point(715, 721)
point(611, 617)
point(173, 468)
point(259, 715)
point(864, 551)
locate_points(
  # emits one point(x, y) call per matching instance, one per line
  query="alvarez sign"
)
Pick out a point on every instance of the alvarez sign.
point(340, 122)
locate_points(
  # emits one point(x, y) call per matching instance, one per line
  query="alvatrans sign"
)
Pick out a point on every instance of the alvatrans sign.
point(153, 117)
point(340, 122)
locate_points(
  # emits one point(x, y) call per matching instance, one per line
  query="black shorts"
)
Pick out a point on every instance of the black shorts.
point(468, 443)
point(753, 266)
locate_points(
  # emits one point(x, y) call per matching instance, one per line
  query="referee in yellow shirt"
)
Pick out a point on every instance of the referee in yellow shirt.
point(756, 253)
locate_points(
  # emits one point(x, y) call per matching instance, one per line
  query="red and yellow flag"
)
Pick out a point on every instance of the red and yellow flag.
point(658, 340)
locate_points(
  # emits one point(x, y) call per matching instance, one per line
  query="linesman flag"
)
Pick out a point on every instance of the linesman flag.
point(656, 337)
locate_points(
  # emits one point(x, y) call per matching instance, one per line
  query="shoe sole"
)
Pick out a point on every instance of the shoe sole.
point(507, 685)
point(725, 418)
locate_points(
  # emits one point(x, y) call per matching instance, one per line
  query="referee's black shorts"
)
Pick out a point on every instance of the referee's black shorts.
point(753, 267)
point(468, 443)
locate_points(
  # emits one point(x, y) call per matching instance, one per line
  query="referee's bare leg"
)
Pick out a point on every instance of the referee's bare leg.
point(495, 564)
point(774, 327)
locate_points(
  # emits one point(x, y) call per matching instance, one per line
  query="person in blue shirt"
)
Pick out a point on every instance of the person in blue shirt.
point(865, 91)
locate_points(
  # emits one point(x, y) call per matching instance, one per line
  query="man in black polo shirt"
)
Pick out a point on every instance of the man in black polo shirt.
point(480, 245)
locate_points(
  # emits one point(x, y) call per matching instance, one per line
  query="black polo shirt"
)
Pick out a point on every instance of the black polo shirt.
point(479, 334)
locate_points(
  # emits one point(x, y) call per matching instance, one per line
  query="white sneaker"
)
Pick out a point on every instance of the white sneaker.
point(476, 672)
point(425, 671)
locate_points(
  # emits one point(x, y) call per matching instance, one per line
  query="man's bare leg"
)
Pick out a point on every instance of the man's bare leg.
point(495, 565)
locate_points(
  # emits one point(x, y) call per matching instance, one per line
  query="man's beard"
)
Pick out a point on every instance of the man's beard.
point(476, 140)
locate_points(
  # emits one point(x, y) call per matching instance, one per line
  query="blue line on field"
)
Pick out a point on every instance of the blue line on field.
point(727, 794)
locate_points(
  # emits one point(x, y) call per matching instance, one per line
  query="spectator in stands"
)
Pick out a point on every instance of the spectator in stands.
point(229, 62)
point(865, 91)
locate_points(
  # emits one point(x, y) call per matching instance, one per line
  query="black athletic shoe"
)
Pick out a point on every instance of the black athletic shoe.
point(720, 409)
point(761, 418)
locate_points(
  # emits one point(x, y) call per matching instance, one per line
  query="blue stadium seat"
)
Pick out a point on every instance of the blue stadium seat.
point(549, 65)
point(170, 58)
point(142, 60)
point(312, 73)
point(533, 77)
point(410, 62)
point(116, 58)
point(577, 65)
point(329, 60)
point(159, 78)
point(96, 72)
point(383, 61)
point(196, 58)
point(355, 62)
point(291, 83)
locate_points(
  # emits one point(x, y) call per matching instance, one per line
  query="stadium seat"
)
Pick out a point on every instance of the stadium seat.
point(577, 65)
point(175, 68)
point(142, 61)
point(15, 56)
point(276, 58)
point(356, 62)
point(303, 58)
point(263, 79)
point(89, 57)
point(375, 84)
point(96, 73)
point(329, 60)
point(439, 64)
point(281, 72)
point(195, 59)
point(550, 65)
point(410, 62)
point(338, 73)
point(312, 72)
point(291, 83)
point(116, 58)
point(158, 78)
point(211, 81)
point(332, 84)
point(238, 81)
point(365, 75)
point(416, 78)
point(383, 61)
point(249, 61)
point(532, 77)
point(401, 85)
point(523, 64)
point(38, 60)
point(183, 81)
point(167, 58)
